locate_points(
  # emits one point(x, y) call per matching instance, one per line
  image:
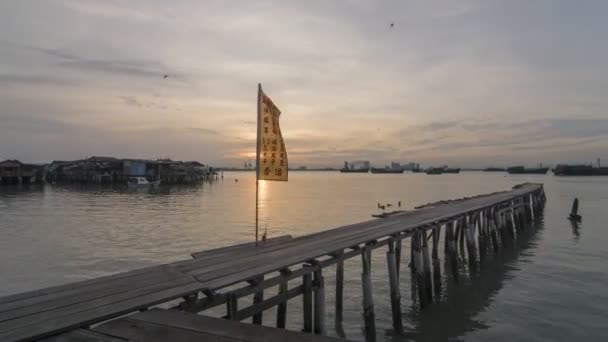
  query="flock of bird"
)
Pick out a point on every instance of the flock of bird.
point(387, 205)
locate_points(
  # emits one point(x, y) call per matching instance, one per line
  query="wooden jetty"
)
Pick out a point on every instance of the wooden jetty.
point(223, 276)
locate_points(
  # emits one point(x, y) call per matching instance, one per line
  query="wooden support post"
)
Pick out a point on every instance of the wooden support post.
point(426, 261)
point(394, 286)
point(369, 315)
point(398, 244)
point(471, 241)
point(282, 307)
point(319, 297)
point(451, 253)
point(258, 297)
point(532, 206)
point(461, 229)
point(493, 233)
point(339, 294)
point(481, 237)
point(307, 300)
point(418, 269)
point(232, 307)
point(436, 236)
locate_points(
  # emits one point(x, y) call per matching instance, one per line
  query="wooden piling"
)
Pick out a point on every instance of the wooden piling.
point(436, 235)
point(398, 245)
point(339, 306)
point(436, 264)
point(426, 261)
point(470, 228)
point(394, 286)
point(319, 298)
point(461, 229)
point(282, 307)
point(258, 298)
point(232, 307)
point(369, 315)
point(307, 300)
point(417, 268)
point(493, 233)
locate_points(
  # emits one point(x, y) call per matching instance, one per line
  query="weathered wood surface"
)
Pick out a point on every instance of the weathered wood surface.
point(53, 310)
point(176, 326)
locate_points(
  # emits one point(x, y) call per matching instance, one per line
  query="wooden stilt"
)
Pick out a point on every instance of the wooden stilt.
point(452, 254)
point(319, 298)
point(369, 316)
point(418, 267)
point(282, 307)
point(398, 245)
point(436, 264)
point(231, 307)
point(436, 236)
point(493, 232)
point(426, 261)
point(471, 241)
point(461, 229)
point(258, 297)
point(339, 296)
point(394, 286)
point(307, 300)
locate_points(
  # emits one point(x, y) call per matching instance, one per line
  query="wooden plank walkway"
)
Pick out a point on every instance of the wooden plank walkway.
point(176, 326)
point(42, 313)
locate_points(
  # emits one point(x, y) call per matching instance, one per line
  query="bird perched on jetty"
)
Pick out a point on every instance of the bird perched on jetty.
point(399, 204)
point(381, 207)
point(388, 205)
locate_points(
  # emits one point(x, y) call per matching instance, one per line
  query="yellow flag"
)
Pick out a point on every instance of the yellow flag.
point(271, 152)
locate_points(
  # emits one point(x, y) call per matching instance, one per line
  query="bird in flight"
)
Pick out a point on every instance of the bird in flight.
point(392, 25)
point(165, 76)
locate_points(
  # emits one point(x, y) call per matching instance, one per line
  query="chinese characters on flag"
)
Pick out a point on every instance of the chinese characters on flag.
point(272, 156)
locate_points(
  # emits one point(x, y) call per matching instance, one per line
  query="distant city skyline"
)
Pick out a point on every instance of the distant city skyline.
point(470, 83)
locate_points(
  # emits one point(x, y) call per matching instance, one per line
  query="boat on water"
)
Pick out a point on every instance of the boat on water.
point(518, 170)
point(385, 170)
point(580, 170)
point(434, 171)
point(141, 182)
point(451, 170)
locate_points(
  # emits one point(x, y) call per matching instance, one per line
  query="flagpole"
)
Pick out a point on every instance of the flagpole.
point(257, 168)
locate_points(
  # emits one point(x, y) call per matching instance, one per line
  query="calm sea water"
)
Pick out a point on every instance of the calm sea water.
point(551, 286)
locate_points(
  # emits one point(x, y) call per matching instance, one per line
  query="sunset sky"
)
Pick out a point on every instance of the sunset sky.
point(465, 83)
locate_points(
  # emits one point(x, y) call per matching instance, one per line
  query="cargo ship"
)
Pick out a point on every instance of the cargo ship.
point(519, 170)
point(351, 168)
point(580, 170)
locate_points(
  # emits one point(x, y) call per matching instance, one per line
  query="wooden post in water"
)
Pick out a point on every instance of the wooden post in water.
point(394, 286)
point(231, 307)
point(436, 264)
point(258, 297)
point(369, 316)
point(398, 245)
point(492, 226)
point(461, 229)
point(426, 261)
point(282, 307)
point(452, 253)
point(319, 298)
point(417, 264)
point(339, 294)
point(307, 300)
point(531, 206)
point(481, 235)
point(470, 228)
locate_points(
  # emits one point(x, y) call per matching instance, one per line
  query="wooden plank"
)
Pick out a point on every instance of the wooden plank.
point(181, 321)
point(240, 247)
point(269, 303)
point(46, 324)
point(84, 335)
point(91, 292)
